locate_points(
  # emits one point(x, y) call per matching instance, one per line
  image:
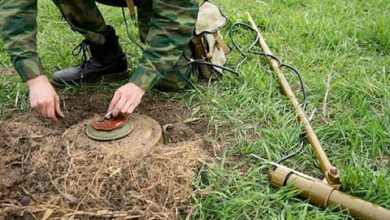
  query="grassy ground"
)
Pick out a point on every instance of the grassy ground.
point(347, 39)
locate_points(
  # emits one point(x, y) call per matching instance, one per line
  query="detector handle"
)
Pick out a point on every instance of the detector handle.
point(324, 195)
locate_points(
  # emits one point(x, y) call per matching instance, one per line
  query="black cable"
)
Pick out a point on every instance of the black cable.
point(128, 33)
point(203, 62)
point(231, 31)
point(267, 55)
point(303, 88)
point(302, 142)
point(281, 65)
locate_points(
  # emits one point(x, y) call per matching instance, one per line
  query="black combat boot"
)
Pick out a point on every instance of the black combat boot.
point(106, 62)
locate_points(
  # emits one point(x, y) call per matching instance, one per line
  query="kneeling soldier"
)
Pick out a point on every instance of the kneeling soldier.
point(165, 26)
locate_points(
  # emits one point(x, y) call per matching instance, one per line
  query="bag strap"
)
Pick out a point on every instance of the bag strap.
point(131, 6)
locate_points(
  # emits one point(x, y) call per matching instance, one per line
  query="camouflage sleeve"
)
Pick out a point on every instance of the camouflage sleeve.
point(18, 30)
point(171, 28)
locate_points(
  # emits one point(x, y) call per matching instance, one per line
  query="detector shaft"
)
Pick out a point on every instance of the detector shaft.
point(330, 172)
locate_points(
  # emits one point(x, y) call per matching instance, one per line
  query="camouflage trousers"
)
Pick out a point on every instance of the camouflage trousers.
point(84, 17)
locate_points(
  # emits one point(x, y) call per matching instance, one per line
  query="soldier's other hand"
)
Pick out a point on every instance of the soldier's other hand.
point(126, 99)
point(44, 99)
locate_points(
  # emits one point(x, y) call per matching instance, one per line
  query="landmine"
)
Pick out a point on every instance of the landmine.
point(139, 132)
point(135, 132)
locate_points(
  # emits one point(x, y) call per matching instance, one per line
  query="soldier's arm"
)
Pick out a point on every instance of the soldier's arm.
point(172, 25)
point(18, 29)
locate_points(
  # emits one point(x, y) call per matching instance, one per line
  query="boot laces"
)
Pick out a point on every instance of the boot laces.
point(83, 49)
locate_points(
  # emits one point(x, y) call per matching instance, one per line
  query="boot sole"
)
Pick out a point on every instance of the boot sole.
point(105, 78)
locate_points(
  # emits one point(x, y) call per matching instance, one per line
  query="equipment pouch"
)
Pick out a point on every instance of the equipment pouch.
point(207, 44)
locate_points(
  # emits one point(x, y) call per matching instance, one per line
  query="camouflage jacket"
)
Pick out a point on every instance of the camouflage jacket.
point(166, 27)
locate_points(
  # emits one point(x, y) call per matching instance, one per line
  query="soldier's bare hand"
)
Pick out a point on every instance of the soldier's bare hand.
point(126, 99)
point(44, 99)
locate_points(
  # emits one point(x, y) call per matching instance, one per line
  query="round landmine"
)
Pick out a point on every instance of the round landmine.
point(110, 135)
point(145, 134)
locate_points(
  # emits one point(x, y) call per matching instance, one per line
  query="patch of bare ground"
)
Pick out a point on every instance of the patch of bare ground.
point(8, 71)
point(51, 171)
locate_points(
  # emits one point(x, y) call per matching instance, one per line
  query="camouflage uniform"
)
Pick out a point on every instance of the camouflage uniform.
point(165, 26)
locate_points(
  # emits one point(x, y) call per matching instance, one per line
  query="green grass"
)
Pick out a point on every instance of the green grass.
point(349, 39)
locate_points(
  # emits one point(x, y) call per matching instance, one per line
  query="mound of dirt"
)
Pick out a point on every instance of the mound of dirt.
point(145, 135)
point(49, 170)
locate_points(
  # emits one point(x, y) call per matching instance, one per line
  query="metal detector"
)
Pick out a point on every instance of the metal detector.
point(319, 192)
